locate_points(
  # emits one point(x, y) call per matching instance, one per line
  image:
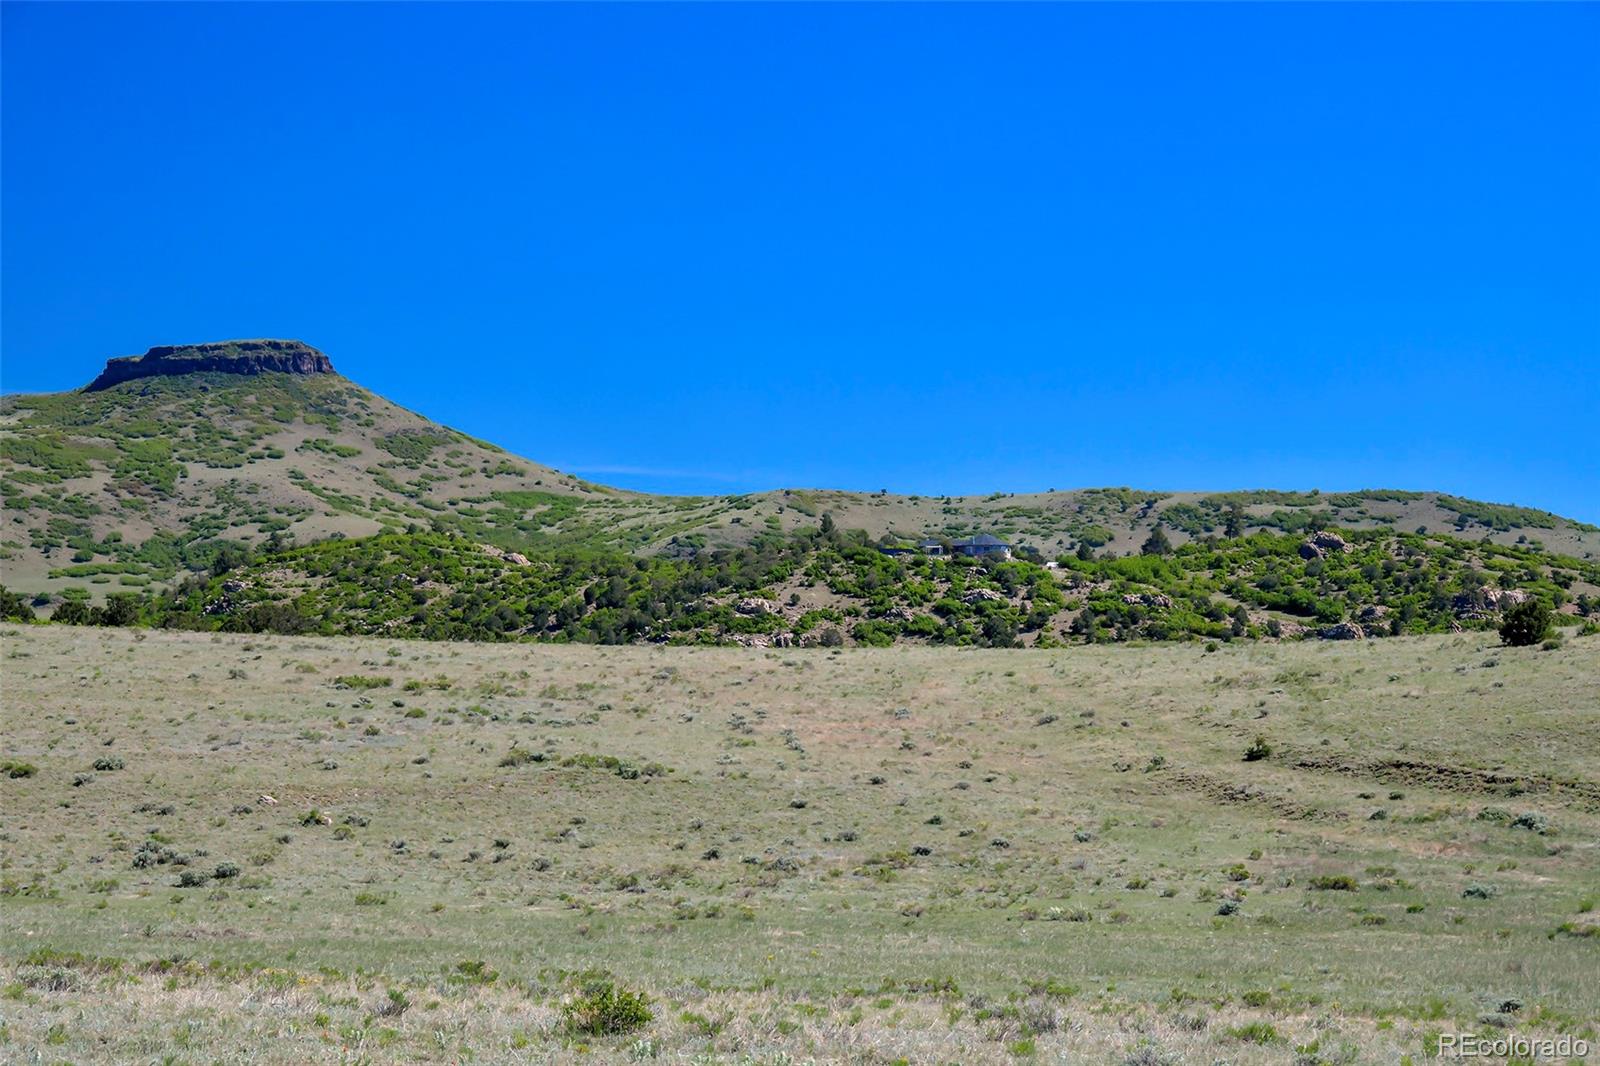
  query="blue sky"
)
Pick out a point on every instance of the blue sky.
point(925, 248)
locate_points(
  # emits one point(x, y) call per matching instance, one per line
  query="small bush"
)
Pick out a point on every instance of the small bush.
point(1333, 883)
point(1259, 749)
point(1525, 623)
point(1255, 1033)
point(1478, 890)
point(13, 768)
point(1532, 821)
point(1149, 1055)
point(362, 681)
point(107, 763)
point(604, 1008)
point(522, 757)
point(396, 1005)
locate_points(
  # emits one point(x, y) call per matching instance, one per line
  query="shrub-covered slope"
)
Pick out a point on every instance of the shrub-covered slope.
point(833, 588)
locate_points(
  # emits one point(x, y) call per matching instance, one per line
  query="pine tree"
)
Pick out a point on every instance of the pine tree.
point(1157, 544)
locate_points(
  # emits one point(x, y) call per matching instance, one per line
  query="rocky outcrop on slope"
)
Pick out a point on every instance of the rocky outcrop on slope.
point(227, 357)
point(1320, 544)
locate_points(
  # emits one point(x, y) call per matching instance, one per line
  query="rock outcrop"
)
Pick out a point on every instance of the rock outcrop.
point(1486, 600)
point(226, 357)
point(1318, 545)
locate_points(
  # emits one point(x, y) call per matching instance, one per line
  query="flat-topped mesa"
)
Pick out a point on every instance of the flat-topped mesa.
point(227, 357)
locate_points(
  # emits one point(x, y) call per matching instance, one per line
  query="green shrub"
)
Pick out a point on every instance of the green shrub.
point(1255, 1033)
point(1259, 749)
point(14, 768)
point(361, 681)
point(1333, 883)
point(1532, 821)
point(1525, 623)
point(604, 1008)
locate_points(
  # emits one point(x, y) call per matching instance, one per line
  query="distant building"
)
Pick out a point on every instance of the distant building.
point(983, 546)
point(929, 546)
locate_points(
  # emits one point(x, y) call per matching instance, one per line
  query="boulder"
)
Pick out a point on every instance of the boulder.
point(1342, 631)
point(1318, 545)
point(983, 596)
point(1485, 600)
point(755, 606)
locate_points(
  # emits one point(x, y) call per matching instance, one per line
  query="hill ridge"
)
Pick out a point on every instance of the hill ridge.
point(201, 446)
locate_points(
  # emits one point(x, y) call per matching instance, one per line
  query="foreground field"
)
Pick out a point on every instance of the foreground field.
point(271, 849)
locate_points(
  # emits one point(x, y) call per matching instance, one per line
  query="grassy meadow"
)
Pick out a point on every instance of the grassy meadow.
point(236, 848)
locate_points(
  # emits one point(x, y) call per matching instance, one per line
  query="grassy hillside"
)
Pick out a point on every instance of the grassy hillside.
point(131, 485)
point(128, 485)
point(298, 849)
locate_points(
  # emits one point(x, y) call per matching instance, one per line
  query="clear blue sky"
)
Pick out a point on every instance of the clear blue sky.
point(925, 248)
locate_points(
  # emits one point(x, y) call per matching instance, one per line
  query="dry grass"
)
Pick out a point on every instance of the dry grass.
point(908, 854)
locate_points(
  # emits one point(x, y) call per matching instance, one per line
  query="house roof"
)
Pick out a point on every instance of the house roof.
point(982, 540)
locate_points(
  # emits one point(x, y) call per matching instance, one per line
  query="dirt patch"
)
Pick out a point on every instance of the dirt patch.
point(1234, 793)
point(1583, 794)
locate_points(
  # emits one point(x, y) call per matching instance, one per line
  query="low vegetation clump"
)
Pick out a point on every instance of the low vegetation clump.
point(362, 681)
point(1256, 1033)
point(604, 1008)
point(1333, 883)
